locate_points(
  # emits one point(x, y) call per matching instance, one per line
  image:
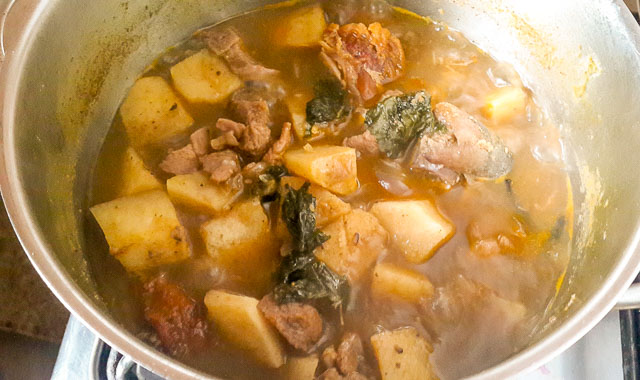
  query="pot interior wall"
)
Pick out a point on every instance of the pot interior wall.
point(577, 57)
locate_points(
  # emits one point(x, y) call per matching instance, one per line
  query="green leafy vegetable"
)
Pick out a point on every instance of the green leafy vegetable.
point(330, 103)
point(268, 182)
point(301, 275)
point(398, 120)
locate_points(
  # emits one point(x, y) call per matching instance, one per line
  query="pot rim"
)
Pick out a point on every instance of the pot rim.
point(74, 299)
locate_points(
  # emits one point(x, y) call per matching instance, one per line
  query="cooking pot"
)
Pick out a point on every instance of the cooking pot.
point(68, 63)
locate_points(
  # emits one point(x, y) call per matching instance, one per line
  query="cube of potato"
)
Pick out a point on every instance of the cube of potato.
point(142, 230)
point(301, 28)
point(332, 167)
point(204, 78)
point(134, 176)
point(238, 320)
point(300, 368)
point(297, 105)
point(403, 355)
point(356, 241)
point(197, 191)
point(241, 243)
point(393, 280)
point(416, 227)
point(504, 104)
point(152, 113)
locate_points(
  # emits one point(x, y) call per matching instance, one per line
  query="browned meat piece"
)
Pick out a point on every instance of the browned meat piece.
point(177, 319)
point(467, 147)
point(228, 139)
point(221, 165)
point(331, 374)
point(254, 113)
point(329, 357)
point(200, 141)
point(364, 143)
point(350, 353)
point(364, 58)
point(181, 161)
point(299, 324)
point(274, 155)
point(226, 125)
point(226, 43)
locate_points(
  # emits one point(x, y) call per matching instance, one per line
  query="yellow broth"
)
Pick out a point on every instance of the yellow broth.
point(533, 199)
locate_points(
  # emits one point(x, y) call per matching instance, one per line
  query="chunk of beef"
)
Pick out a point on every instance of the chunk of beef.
point(225, 42)
point(329, 357)
point(350, 353)
point(467, 147)
point(221, 165)
point(363, 58)
point(333, 374)
point(177, 319)
point(254, 113)
point(364, 143)
point(228, 139)
point(200, 141)
point(181, 161)
point(274, 155)
point(299, 324)
point(226, 125)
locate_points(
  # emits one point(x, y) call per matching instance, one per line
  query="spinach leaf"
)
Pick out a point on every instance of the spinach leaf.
point(301, 275)
point(397, 120)
point(330, 103)
point(267, 185)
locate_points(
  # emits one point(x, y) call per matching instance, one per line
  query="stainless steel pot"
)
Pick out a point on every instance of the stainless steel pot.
point(68, 63)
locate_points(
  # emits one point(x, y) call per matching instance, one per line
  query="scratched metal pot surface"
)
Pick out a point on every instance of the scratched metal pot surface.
point(69, 63)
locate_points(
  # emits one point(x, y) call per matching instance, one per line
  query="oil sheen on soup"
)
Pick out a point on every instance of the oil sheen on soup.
point(335, 190)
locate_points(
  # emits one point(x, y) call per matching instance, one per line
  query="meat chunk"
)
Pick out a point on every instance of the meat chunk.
point(181, 161)
point(467, 147)
point(363, 58)
point(254, 113)
point(364, 143)
point(299, 324)
point(274, 155)
point(350, 353)
point(329, 357)
point(177, 319)
point(226, 43)
point(200, 141)
point(221, 165)
point(226, 125)
point(228, 139)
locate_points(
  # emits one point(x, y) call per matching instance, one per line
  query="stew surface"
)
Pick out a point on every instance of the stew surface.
point(333, 189)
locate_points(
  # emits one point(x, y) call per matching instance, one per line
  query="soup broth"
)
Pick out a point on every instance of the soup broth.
point(462, 258)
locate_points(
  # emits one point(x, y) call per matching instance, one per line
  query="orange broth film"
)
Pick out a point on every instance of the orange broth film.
point(330, 190)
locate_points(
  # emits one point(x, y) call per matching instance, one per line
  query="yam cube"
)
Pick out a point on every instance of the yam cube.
point(504, 104)
point(198, 192)
point(416, 228)
point(204, 78)
point(238, 321)
point(300, 368)
point(332, 167)
point(357, 239)
point(142, 230)
point(241, 242)
point(303, 27)
point(134, 176)
point(403, 355)
point(393, 280)
point(152, 113)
